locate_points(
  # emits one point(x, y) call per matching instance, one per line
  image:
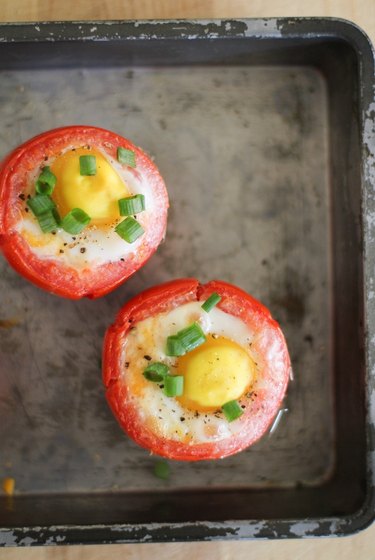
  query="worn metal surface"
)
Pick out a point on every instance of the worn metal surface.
point(245, 154)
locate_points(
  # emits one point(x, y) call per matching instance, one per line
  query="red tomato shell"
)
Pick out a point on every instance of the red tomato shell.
point(50, 273)
point(264, 405)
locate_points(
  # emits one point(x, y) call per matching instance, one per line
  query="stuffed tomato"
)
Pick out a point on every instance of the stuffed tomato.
point(195, 371)
point(81, 209)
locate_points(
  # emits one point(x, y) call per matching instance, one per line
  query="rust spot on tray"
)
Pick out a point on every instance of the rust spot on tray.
point(8, 323)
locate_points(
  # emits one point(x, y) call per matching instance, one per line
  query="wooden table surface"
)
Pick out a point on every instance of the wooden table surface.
point(362, 12)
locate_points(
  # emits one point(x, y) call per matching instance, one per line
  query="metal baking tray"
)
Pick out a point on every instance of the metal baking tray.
point(264, 133)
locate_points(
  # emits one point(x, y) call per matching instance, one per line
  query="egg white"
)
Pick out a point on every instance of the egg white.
point(164, 414)
point(95, 245)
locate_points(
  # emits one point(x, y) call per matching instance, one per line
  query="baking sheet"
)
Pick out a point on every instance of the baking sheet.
point(244, 153)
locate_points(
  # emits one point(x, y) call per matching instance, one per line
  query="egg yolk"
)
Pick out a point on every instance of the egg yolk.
point(97, 194)
point(215, 373)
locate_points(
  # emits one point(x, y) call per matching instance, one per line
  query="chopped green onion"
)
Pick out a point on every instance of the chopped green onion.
point(56, 216)
point(46, 182)
point(211, 302)
point(175, 346)
point(87, 165)
point(232, 410)
point(162, 470)
point(173, 385)
point(129, 229)
point(131, 205)
point(185, 340)
point(191, 337)
point(40, 203)
point(75, 221)
point(156, 372)
point(48, 221)
point(126, 156)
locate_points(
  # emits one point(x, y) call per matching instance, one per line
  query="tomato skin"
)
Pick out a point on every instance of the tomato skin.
point(49, 274)
point(234, 301)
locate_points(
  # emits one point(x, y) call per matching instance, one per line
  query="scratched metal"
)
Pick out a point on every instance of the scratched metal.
point(55, 416)
point(244, 155)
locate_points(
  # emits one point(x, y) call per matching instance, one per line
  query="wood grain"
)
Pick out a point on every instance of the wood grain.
point(362, 12)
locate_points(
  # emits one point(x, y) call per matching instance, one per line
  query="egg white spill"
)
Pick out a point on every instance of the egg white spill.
point(95, 245)
point(165, 413)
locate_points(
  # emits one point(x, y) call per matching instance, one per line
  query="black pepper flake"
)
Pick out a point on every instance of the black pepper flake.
point(61, 251)
point(147, 357)
point(182, 419)
point(122, 260)
point(45, 158)
point(127, 364)
point(82, 250)
point(53, 232)
point(243, 406)
point(21, 196)
point(28, 196)
point(161, 386)
point(26, 209)
point(65, 244)
point(196, 414)
point(74, 238)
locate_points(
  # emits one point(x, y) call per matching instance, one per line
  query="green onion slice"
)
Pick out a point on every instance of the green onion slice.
point(173, 385)
point(126, 157)
point(87, 165)
point(56, 216)
point(156, 372)
point(211, 302)
point(232, 410)
point(75, 221)
point(162, 470)
point(191, 337)
point(40, 203)
point(175, 346)
point(129, 229)
point(49, 221)
point(185, 340)
point(46, 182)
point(131, 205)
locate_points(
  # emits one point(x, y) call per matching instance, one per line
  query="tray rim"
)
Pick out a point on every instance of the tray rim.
point(253, 28)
